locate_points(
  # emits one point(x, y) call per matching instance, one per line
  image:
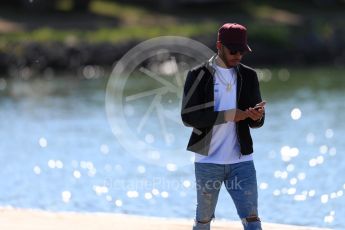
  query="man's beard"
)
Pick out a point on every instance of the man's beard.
point(224, 60)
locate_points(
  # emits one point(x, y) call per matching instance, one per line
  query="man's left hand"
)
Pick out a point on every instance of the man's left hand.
point(257, 112)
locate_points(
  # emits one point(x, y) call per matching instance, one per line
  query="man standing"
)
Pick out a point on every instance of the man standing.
point(221, 101)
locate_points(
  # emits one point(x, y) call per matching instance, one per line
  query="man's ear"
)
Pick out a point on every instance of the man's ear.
point(219, 45)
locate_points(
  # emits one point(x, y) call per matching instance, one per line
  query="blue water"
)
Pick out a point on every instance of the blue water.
point(58, 152)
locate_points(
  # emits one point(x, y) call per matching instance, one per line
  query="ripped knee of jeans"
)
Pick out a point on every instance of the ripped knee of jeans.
point(253, 218)
point(203, 221)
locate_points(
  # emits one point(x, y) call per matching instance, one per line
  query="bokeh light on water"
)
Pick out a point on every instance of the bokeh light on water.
point(296, 114)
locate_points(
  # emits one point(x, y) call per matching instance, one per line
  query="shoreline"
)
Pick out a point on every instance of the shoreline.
point(32, 219)
point(39, 57)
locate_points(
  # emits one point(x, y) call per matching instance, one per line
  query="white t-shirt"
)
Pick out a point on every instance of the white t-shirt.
point(224, 146)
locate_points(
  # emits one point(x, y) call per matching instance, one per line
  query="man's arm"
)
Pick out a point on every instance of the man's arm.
point(195, 113)
point(256, 116)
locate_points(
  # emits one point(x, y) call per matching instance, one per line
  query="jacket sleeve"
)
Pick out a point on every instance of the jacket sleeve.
point(255, 99)
point(195, 112)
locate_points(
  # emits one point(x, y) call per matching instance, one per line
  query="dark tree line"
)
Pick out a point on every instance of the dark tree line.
point(38, 5)
point(83, 5)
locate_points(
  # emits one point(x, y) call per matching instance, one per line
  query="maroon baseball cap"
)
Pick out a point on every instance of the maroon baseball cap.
point(234, 37)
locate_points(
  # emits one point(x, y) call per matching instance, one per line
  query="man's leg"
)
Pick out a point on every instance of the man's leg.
point(242, 186)
point(209, 178)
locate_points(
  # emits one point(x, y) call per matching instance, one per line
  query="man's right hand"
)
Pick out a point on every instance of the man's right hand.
point(235, 115)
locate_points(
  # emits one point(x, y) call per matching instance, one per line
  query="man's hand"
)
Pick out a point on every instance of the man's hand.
point(235, 115)
point(257, 112)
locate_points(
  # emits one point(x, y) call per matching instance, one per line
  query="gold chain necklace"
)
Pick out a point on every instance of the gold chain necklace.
point(227, 84)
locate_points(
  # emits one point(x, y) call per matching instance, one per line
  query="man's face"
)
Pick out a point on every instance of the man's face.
point(228, 56)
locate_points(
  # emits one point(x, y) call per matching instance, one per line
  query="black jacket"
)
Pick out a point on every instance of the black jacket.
point(198, 106)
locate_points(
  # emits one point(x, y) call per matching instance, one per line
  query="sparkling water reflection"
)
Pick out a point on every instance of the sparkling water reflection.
point(58, 153)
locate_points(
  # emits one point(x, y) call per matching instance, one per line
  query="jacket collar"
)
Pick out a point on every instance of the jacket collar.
point(210, 65)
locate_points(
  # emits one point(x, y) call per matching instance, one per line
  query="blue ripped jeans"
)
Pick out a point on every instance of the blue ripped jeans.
point(240, 182)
